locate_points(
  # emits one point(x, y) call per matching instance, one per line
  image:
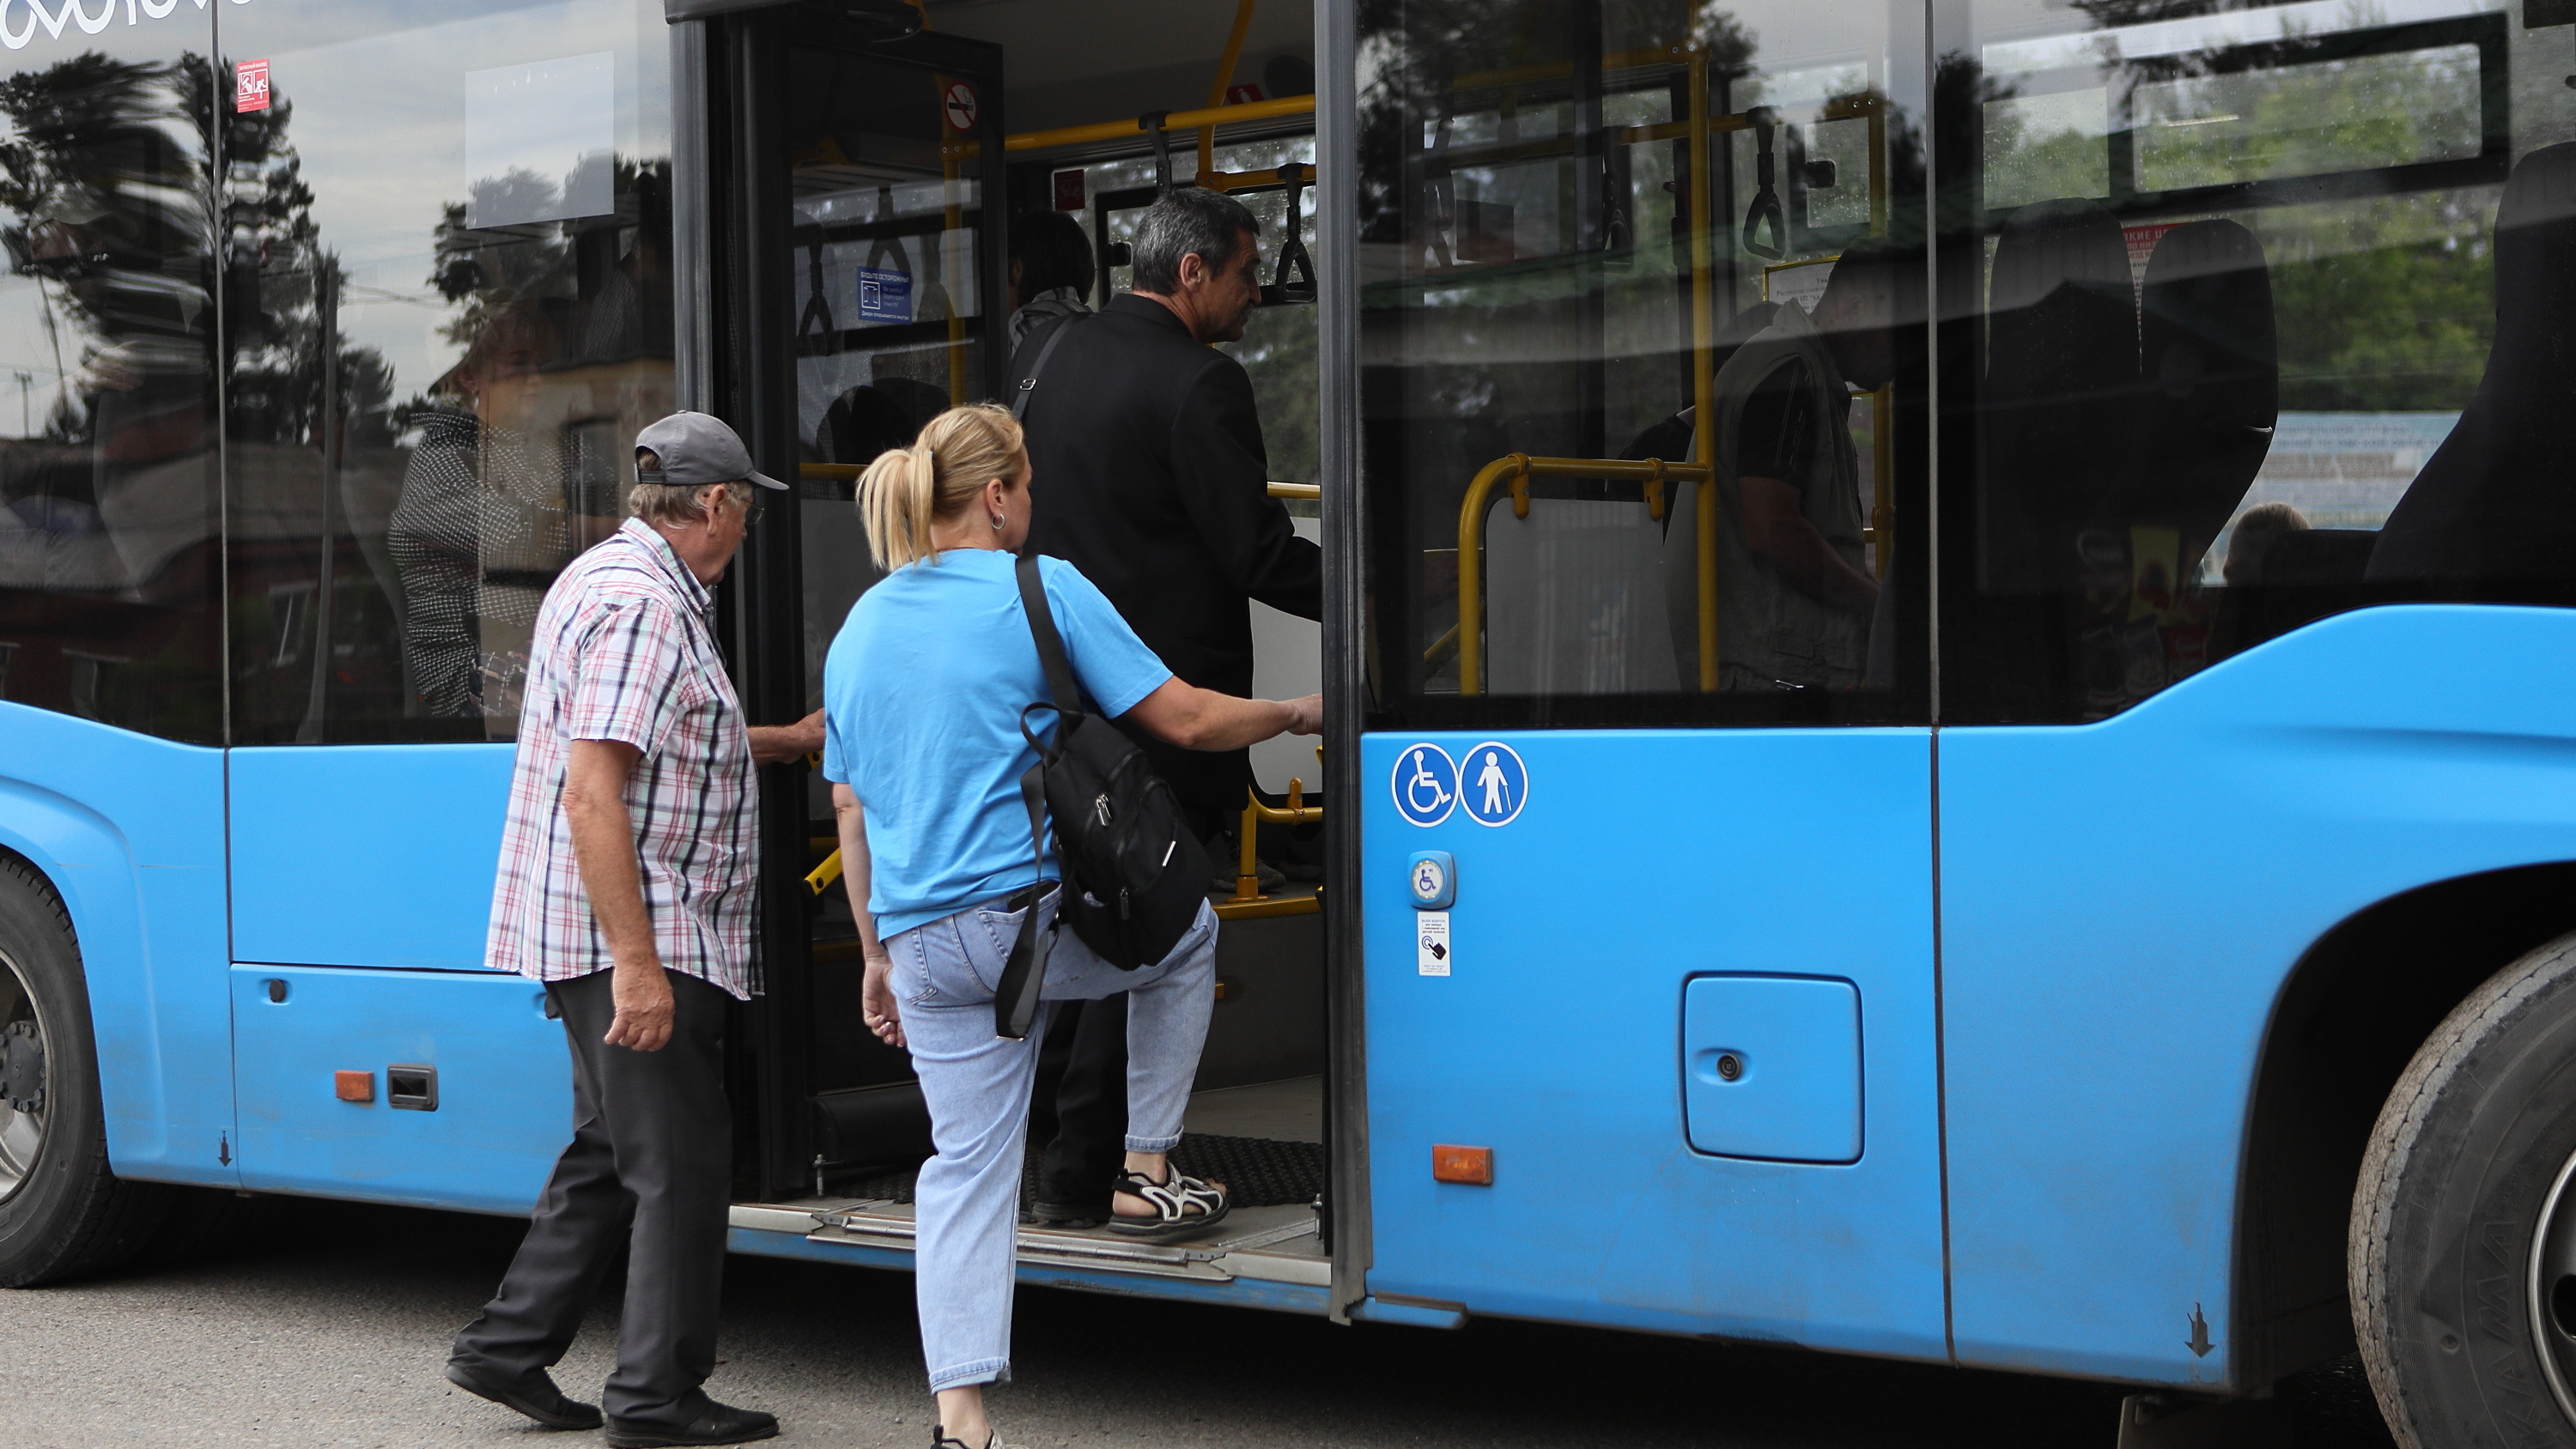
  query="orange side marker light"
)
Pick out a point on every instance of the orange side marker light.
point(354, 1086)
point(1471, 1165)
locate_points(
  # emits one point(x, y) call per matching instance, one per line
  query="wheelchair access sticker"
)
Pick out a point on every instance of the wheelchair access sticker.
point(1425, 784)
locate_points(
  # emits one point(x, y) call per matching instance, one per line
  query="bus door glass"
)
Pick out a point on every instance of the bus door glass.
point(1646, 854)
point(891, 244)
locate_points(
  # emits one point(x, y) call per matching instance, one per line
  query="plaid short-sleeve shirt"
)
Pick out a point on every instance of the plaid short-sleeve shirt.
point(625, 649)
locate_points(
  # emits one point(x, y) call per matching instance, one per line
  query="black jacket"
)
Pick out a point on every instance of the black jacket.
point(1151, 479)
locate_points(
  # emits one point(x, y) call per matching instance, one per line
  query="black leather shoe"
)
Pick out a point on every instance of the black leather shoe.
point(535, 1396)
point(715, 1424)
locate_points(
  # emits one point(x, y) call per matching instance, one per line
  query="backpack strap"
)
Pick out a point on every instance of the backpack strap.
point(1015, 1000)
point(1059, 673)
point(1046, 349)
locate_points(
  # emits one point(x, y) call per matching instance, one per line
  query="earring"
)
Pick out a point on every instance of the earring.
point(997, 523)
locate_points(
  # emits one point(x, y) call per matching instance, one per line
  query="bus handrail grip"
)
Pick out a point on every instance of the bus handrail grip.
point(1519, 468)
point(1247, 876)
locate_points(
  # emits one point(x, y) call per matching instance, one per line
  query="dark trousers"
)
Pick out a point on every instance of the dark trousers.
point(650, 1167)
point(1082, 1083)
point(1082, 1102)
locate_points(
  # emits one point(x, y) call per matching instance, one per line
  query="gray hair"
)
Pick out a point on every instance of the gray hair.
point(1192, 221)
point(677, 502)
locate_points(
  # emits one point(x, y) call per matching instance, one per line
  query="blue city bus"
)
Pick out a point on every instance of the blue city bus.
point(2072, 875)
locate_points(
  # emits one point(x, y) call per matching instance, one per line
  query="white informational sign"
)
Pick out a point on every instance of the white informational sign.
point(1431, 942)
point(960, 101)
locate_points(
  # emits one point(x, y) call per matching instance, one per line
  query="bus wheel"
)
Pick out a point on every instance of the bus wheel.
point(2462, 1260)
point(61, 1212)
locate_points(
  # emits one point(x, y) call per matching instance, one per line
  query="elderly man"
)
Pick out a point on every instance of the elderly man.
point(629, 865)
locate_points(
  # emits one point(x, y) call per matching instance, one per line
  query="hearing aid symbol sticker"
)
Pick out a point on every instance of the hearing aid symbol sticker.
point(1425, 784)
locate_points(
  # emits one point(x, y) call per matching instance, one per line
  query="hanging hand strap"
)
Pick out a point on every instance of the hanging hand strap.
point(1766, 196)
point(1019, 405)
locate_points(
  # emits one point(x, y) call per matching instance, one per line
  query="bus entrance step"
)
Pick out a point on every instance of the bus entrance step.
point(1274, 1243)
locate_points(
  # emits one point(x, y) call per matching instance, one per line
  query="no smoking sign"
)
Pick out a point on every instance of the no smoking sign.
point(960, 100)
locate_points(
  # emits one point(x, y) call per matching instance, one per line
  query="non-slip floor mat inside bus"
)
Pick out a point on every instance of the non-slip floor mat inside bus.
point(1257, 1172)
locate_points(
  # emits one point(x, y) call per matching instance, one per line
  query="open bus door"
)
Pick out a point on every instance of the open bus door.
point(856, 182)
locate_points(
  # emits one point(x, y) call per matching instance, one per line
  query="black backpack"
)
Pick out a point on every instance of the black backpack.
point(1135, 878)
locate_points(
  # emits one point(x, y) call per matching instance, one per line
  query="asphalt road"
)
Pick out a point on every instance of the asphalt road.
point(326, 1325)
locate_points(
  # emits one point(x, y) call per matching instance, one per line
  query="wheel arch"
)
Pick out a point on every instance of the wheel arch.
point(2349, 1017)
point(88, 864)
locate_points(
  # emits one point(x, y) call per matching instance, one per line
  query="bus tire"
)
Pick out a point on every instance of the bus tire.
point(63, 1213)
point(2467, 1341)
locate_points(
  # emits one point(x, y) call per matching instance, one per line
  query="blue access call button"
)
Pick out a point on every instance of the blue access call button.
point(1432, 875)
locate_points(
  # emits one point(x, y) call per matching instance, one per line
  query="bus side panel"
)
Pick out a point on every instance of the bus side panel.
point(366, 855)
point(1642, 859)
point(130, 830)
point(2121, 904)
point(502, 1111)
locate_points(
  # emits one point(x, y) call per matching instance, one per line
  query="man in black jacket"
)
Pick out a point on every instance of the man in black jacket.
point(1150, 477)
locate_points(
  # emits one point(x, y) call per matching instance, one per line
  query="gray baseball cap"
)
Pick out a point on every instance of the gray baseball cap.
point(697, 450)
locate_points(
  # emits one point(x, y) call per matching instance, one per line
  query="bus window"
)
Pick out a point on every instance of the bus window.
point(1643, 410)
point(2271, 308)
point(109, 566)
point(447, 273)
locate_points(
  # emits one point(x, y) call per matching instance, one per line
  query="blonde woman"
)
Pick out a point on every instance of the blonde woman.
point(923, 691)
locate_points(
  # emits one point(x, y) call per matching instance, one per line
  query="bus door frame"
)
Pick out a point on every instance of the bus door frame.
point(735, 263)
point(1345, 1222)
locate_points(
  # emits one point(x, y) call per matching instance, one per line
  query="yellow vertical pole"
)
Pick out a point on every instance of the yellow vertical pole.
point(1224, 80)
point(1703, 378)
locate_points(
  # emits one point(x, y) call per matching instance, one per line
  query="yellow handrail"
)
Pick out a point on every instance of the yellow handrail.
point(1703, 373)
point(1296, 490)
point(1269, 110)
point(1247, 875)
point(1224, 80)
point(821, 877)
point(1517, 469)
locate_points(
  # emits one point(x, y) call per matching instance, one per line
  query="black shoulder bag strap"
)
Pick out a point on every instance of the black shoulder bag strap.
point(1015, 1001)
point(1020, 405)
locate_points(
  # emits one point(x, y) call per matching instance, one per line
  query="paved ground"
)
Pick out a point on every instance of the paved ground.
point(327, 1327)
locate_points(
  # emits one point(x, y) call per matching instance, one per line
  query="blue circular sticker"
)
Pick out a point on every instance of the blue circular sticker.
point(1425, 784)
point(1497, 784)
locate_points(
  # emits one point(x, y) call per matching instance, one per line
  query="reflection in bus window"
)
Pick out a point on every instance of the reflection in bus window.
point(108, 527)
point(446, 261)
point(2273, 310)
point(1643, 330)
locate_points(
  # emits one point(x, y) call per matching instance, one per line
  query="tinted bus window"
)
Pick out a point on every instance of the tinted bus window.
point(1643, 411)
point(109, 553)
point(2271, 313)
point(446, 262)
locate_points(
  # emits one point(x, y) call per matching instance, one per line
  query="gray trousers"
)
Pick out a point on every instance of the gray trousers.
point(650, 1167)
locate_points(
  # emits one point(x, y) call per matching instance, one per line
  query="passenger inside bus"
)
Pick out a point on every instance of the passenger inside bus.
point(1796, 599)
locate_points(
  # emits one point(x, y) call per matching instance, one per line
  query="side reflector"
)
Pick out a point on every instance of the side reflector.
point(1471, 1165)
point(354, 1086)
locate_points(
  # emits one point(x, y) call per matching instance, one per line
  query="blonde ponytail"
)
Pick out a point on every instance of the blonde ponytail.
point(907, 490)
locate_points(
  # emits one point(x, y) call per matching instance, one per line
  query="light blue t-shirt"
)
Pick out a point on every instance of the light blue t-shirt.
point(922, 693)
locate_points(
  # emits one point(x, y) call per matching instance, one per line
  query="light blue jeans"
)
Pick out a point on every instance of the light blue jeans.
point(967, 1205)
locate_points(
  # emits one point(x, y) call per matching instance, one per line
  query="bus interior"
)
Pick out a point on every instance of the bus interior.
point(892, 179)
